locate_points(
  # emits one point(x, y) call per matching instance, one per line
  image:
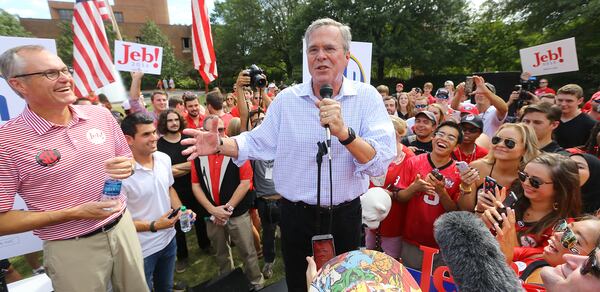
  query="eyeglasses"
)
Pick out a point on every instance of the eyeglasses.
point(591, 265)
point(420, 105)
point(446, 136)
point(51, 74)
point(509, 143)
point(534, 181)
point(568, 239)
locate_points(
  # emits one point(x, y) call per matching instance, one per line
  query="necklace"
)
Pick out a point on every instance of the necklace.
point(469, 156)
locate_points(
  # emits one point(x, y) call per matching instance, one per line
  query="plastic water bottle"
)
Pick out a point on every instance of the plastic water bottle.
point(111, 190)
point(185, 220)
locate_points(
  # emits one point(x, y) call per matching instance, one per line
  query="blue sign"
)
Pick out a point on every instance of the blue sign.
point(4, 116)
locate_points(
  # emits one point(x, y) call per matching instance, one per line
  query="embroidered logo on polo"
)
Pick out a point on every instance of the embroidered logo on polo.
point(95, 136)
point(47, 157)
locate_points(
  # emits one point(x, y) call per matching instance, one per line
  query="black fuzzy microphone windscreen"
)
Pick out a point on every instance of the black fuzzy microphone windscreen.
point(473, 255)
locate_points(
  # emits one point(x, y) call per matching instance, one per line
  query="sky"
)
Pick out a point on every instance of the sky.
point(179, 10)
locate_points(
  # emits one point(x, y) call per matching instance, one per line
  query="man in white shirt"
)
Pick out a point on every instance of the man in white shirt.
point(492, 108)
point(151, 200)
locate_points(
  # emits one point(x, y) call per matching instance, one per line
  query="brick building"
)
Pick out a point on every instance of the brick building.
point(130, 16)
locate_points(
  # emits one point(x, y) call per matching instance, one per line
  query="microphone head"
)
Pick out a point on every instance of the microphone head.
point(472, 254)
point(326, 91)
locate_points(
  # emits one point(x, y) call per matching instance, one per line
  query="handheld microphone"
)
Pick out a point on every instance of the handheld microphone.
point(326, 91)
point(472, 254)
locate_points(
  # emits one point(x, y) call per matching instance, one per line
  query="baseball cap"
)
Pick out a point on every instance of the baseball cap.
point(442, 93)
point(473, 120)
point(428, 114)
point(272, 85)
point(468, 109)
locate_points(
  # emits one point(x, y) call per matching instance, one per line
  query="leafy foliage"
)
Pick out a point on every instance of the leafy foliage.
point(10, 26)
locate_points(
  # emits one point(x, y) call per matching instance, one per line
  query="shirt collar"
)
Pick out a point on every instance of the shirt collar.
point(348, 89)
point(42, 126)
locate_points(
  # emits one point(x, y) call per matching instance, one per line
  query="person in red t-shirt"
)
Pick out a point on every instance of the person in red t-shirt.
point(390, 229)
point(543, 89)
point(194, 118)
point(468, 150)
point(428, 197)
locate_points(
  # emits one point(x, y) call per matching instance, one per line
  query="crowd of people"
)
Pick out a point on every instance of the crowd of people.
point(243, 163)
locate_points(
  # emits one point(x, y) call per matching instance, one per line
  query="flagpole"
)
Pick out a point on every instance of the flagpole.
point(113, 21)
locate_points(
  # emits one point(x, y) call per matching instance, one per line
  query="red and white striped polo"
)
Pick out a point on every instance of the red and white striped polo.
point(54, 167)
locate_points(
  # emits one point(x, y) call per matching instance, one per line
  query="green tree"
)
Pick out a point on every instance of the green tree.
point(150, 34)
point(10, 25)
point(555, 20)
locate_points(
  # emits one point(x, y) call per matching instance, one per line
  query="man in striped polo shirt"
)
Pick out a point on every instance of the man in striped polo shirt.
point(56, 156)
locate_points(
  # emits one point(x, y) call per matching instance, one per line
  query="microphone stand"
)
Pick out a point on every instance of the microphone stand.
point(322, 150)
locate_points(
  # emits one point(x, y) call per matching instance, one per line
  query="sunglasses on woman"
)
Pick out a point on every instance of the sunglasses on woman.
point(509, 143)
point(568, 239)
point(591, 265)
point(420, 106)
point(534, 181)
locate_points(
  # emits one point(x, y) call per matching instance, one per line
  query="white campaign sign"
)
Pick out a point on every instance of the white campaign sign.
point(550, 58)
point(18, 244)
point(359, 66)
point(131, 57)
point(11, 105)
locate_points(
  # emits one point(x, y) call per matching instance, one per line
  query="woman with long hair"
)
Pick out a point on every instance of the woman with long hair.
point(406, 107)
point(438, 111)
point(550, 185)
point(513, 146)
point(230, 103)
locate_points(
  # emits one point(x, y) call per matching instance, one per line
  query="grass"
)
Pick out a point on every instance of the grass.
point(202, 267)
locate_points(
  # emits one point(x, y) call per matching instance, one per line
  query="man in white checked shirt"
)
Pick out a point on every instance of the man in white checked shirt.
point(57, 156)
point(363, 145)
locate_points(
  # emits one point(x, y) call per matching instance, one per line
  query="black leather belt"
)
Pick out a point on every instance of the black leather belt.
point(324, 207)
point(104, 228)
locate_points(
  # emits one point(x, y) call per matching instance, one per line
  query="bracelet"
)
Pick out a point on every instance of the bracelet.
point(465, 190)
point(152, 227)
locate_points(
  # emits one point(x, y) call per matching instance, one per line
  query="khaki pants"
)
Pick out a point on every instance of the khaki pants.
point(240, 230)
point(89, 264)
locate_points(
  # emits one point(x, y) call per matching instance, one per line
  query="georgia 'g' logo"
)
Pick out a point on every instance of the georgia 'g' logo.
point(47, 157)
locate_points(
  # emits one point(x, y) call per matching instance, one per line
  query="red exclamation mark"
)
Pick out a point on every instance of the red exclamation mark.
point(156, 57)
point(560, 58)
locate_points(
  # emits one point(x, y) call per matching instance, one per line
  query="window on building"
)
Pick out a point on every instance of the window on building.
point(119, 17)
point(186, 44)
point(65, 14)
point(138, 39)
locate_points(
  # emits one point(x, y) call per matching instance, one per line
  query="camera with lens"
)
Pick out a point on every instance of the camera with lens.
point(257, 77)
point(525, 88)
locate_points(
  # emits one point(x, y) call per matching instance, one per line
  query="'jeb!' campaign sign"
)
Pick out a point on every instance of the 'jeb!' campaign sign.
point(133, 57)
point(550, 58)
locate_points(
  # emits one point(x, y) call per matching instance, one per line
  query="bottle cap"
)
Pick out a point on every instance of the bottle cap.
point(183, 208)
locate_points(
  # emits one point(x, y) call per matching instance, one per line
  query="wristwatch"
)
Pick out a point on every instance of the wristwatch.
point(351, 137)
point(152, 227)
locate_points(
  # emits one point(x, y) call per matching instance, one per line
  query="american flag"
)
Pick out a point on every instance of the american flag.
point(203, 51)
point(92, 61)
